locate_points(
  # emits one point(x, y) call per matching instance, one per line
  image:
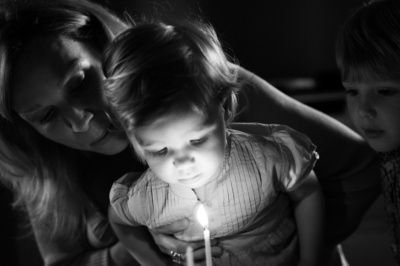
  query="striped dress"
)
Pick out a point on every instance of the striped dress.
point(247, 204)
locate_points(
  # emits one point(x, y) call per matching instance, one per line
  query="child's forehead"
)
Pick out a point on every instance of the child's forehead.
point(174, 128)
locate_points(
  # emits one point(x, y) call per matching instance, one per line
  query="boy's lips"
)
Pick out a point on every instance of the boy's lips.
point(372, 133)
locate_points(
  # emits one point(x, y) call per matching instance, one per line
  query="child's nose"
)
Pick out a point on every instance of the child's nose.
point(366, 109)
point(183, 161)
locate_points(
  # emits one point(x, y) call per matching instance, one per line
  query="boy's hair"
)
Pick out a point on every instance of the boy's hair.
point(156, 68)
point(368, 45)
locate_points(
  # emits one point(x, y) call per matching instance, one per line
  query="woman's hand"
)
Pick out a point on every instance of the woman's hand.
point(167, 242)
point(119, 255)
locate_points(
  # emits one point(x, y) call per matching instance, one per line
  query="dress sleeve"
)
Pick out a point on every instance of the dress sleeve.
point(296, 155)
point(120, 196)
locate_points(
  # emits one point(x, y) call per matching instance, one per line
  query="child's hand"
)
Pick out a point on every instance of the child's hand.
point(167, 243)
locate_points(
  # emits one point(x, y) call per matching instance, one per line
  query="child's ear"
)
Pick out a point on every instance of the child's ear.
point(225, 112)
point(137, 149)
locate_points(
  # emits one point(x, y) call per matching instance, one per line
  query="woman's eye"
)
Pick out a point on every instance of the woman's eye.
point(156, 153)
point(199, 141)
point(388, 92)
point(77, 84)
point(48, 116)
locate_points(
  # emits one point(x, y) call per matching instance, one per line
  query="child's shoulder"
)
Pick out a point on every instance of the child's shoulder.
point(128, 179)
point(259, 130)
point(272, 138)
point(136, 178)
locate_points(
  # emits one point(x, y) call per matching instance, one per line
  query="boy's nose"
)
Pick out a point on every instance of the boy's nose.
point(366, 109)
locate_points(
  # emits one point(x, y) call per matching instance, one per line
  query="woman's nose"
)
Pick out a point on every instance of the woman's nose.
point(79, 120)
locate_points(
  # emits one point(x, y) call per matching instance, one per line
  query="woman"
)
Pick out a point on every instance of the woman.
point(60, 153)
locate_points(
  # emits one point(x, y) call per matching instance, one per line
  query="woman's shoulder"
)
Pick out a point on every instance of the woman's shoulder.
point(128, 179)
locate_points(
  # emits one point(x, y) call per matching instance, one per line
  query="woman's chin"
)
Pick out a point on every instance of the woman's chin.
point(112, 145)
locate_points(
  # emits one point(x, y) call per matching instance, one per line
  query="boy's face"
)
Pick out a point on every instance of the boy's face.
point(374, 108)
point(185, 149)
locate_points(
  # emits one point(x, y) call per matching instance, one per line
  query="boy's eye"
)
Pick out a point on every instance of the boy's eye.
point(351, 93)
point(156, 153)
point(199, 141)
point(387, 92)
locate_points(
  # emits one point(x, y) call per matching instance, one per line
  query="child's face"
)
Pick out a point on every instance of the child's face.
point(374, 108)
point(186, 149)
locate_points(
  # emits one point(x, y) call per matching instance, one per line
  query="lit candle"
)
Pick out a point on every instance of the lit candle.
point(189, 256)
point(203, 220)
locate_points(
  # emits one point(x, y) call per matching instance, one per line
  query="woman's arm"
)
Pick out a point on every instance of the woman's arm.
point(56, 252)
point(136, 240)
point(348, 169)
point(309, 213)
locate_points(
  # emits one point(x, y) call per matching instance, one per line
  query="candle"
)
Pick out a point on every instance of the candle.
point(203, 220)
point(189, 256)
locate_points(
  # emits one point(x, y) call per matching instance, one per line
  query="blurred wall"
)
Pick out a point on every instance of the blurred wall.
point(273, 38)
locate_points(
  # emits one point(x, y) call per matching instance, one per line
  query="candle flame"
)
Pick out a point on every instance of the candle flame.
point(202, 216)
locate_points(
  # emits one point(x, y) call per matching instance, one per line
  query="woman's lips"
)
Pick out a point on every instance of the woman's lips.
point(100, 139)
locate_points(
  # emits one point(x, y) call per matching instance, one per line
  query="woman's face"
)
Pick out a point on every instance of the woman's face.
point(58, 90)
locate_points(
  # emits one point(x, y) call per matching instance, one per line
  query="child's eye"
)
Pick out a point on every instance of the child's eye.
point(387, 92)
point(351, 93)
point(156, 153)
point(197, 142)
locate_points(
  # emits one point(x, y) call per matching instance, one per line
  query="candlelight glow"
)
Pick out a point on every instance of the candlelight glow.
point(202, 216)
point(203, 220)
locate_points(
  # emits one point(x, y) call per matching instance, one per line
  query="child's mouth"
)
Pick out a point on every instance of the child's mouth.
point(187, 181)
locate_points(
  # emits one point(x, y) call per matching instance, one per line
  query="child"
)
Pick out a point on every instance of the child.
point(368, 56)
point(172, 88)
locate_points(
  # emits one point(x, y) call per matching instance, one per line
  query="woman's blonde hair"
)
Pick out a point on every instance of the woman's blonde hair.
point(44, 174)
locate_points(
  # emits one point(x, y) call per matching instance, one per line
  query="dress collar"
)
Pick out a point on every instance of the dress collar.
point(388, 156)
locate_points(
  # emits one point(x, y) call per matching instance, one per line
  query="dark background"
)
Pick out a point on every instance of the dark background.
point(273, 38)
point(290, 43)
